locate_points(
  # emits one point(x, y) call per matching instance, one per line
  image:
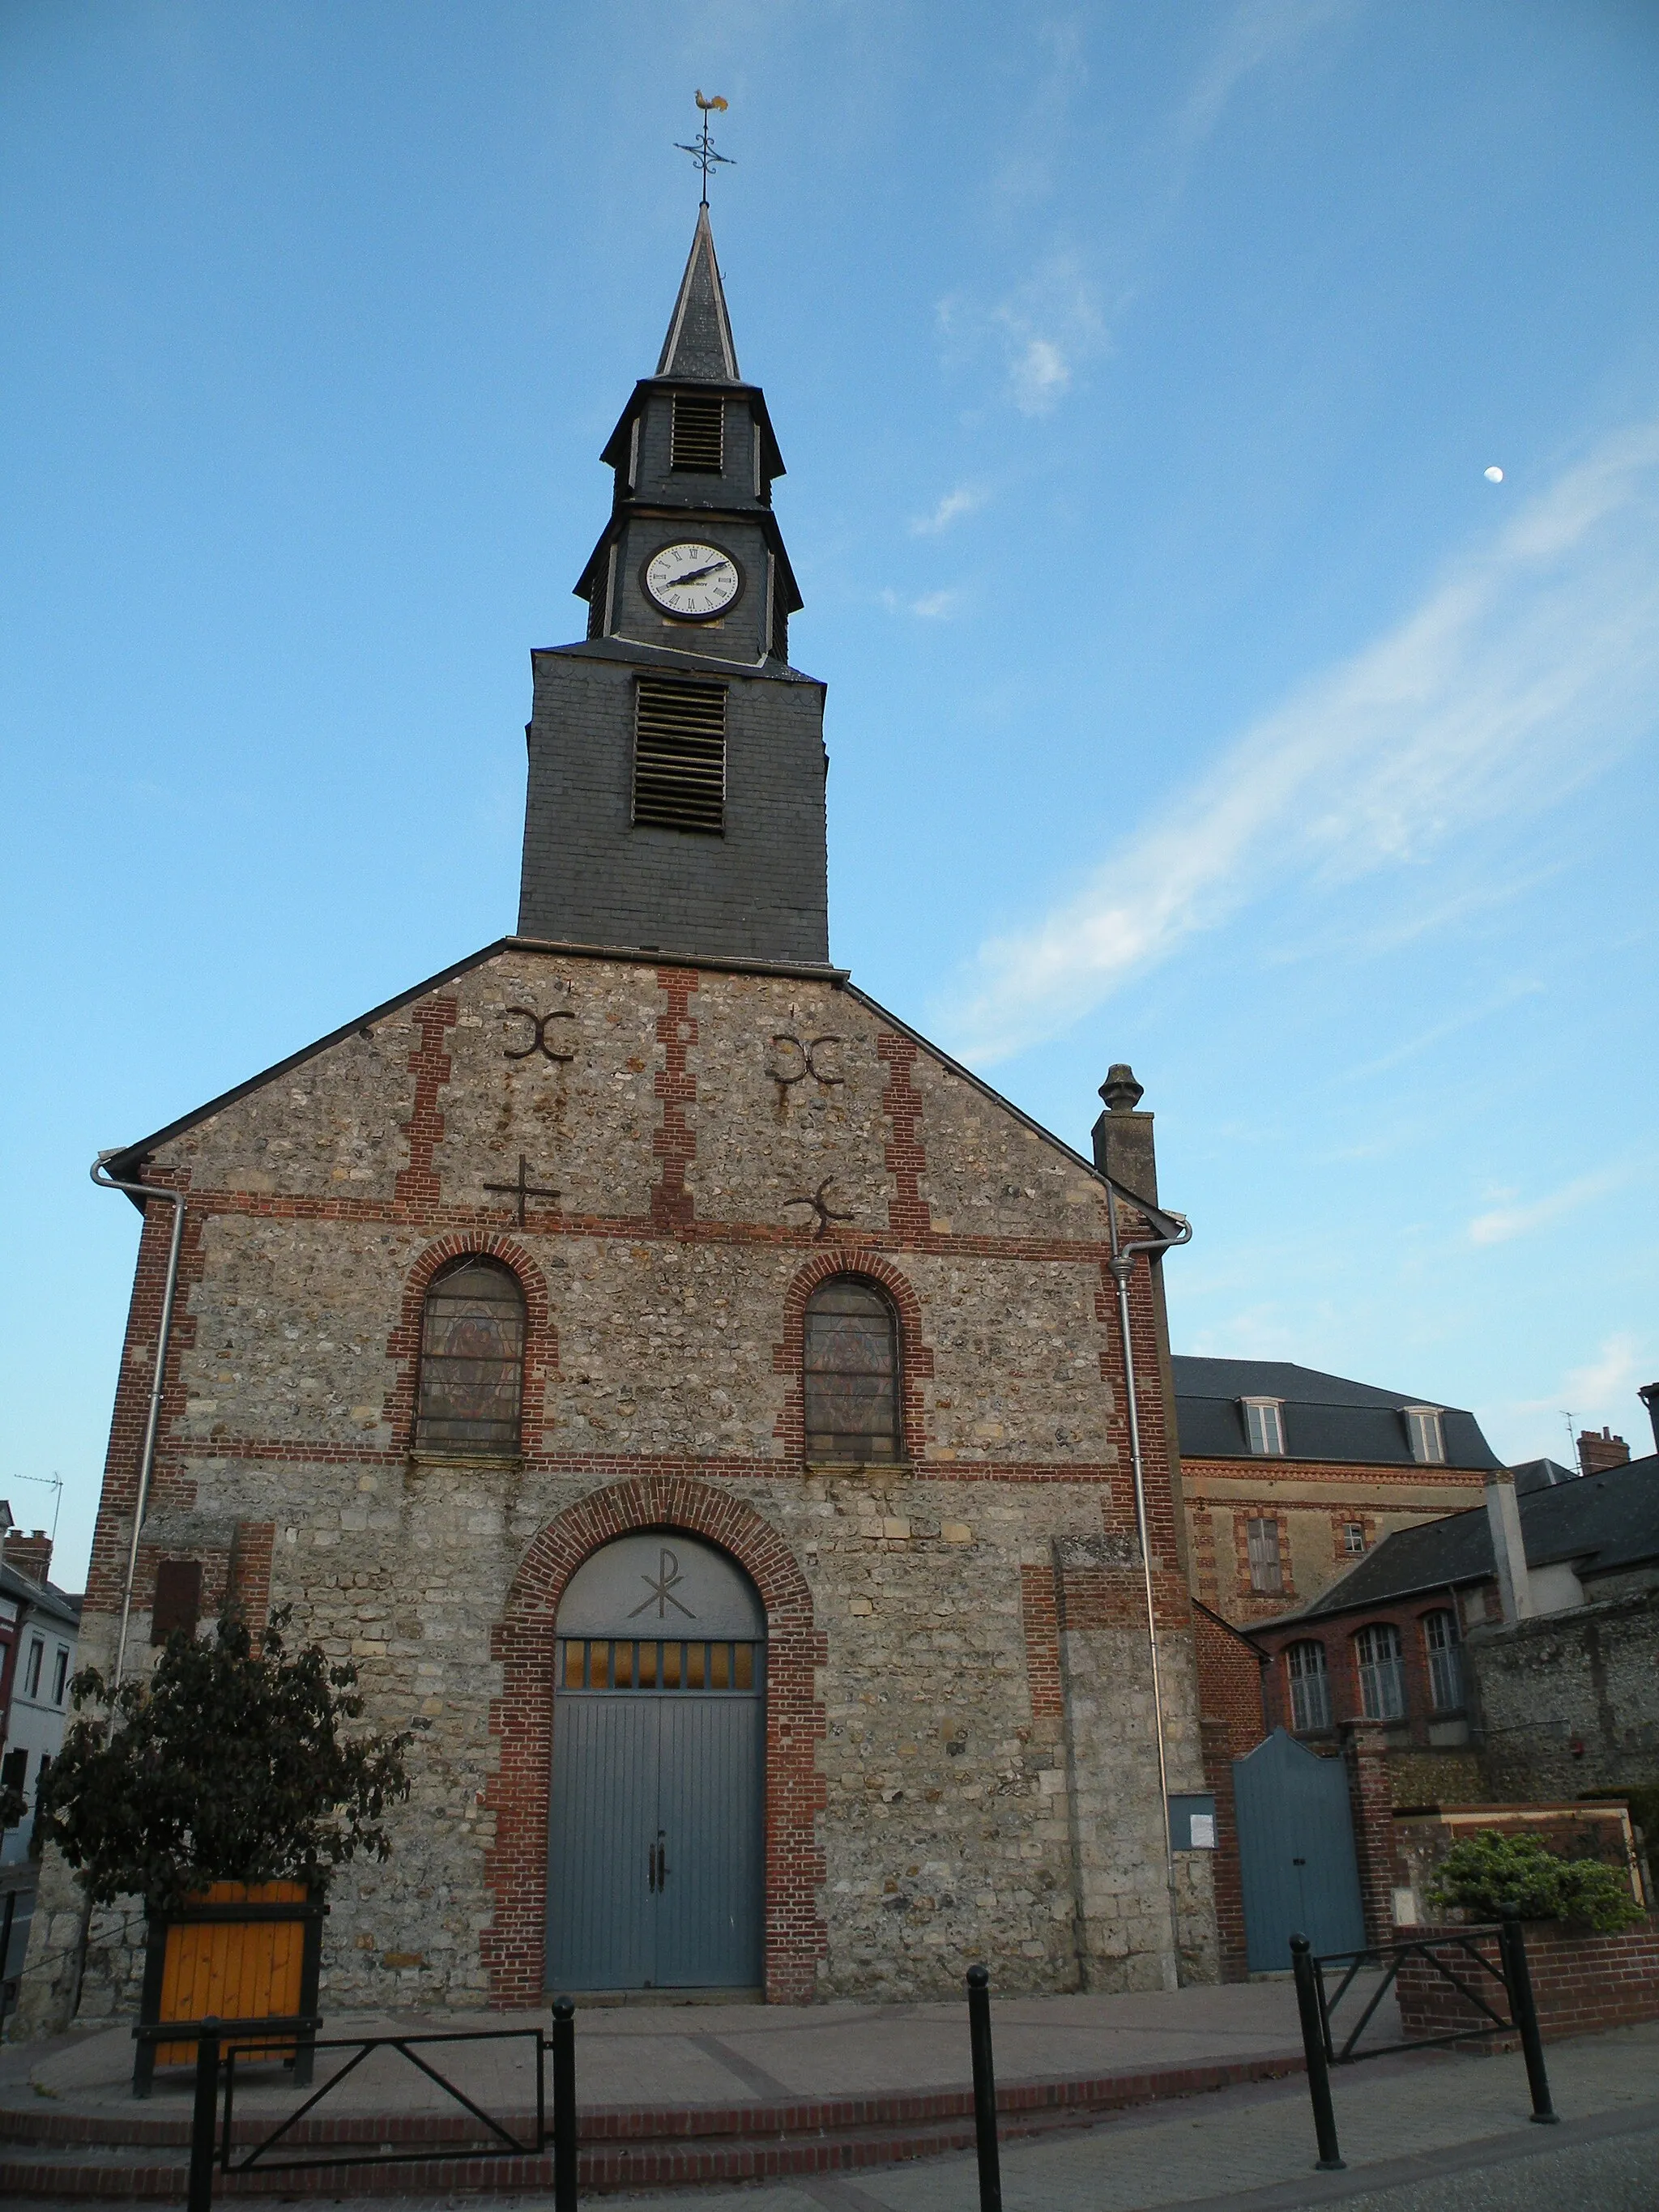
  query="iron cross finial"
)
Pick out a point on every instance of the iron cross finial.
point(702, 150)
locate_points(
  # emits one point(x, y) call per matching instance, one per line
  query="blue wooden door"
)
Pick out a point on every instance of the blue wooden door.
point(1296, 1852)
point(655, 1868)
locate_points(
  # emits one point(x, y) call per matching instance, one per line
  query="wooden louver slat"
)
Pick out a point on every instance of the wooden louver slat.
point(679, 755)
point(699, 420)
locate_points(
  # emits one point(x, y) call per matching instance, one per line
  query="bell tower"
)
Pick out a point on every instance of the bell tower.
point(676, 764)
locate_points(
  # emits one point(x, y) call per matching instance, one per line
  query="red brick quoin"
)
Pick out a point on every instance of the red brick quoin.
point(513, 1947)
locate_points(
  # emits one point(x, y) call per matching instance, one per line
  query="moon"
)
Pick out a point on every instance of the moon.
point(1494, 475)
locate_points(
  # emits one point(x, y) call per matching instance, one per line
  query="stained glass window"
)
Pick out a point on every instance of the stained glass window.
point(852, 1372)
point(471, 1360)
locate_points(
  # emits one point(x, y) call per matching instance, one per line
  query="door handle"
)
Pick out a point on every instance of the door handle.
point(662, 1866)
point(650, 1868)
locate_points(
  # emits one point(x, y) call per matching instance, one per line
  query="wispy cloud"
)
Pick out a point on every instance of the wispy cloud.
point(1255, 33)
point(1046, 329)
point(929, 606)
point(966, 499)
point(1531, 665)
point(1503, 1223)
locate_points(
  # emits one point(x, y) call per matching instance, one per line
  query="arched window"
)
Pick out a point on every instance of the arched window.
point(471, 1360)
point(852, 1372)
point(1311, 1688)
point(1381, 1679)
point(1445, 1661)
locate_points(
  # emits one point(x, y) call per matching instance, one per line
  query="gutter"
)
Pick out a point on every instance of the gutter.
point(175, 1198)
point(1176, 1229)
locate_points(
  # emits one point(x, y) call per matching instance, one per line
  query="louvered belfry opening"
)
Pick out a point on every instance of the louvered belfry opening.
point(679, 755)
point(699, 423)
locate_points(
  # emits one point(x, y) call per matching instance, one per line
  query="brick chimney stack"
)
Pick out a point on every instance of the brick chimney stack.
point(1597, 1453)
point(29, 1555)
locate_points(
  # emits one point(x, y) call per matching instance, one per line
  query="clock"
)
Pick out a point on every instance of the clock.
point(692, 580)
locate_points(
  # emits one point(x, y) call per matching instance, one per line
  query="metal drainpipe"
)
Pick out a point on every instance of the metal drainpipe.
point(1122, 1267)
point(175, 1198)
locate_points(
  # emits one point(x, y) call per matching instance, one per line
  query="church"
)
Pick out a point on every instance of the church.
point(737, 1441)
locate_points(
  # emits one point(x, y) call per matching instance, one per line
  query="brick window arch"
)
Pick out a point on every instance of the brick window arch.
point(408, 1408)
point(1381, 1672)
point(1311, 1687)
point(913, 1359)
point(851, 1371)
point(472, 1344)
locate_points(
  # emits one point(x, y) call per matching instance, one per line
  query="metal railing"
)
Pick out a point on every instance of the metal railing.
point(1316, 2006)
point(221, 2043)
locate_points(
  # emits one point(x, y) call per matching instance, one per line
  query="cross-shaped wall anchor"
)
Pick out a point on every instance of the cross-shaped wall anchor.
point(523, 1189)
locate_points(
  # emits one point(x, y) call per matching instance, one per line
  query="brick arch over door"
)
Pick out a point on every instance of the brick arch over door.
point(915, 1357)
point(541, 1340)
point(512, 1948)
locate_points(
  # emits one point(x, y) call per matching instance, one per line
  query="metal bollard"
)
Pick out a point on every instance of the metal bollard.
point(1331, 2159)
point(985, 2090)
point(1523, 2011)
point(202, 2129)
point(564, 2106)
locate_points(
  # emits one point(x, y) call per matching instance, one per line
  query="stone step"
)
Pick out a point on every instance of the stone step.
point(56, 2153)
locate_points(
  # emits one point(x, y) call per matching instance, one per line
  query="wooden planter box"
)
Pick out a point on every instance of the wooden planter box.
point(237, 1952)
point(1581, 1982)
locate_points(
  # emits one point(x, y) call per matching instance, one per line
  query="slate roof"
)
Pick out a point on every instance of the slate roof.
point(1599, 1523)
point(55, 1604)
point(1326, 1417)
point(698, 346)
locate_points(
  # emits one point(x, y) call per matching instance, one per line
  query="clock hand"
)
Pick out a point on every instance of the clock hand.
point(695, 576)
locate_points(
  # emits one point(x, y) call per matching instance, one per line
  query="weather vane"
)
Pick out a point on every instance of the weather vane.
point(701, 151)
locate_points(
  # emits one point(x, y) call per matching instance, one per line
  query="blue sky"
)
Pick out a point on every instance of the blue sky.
point(1194, 698)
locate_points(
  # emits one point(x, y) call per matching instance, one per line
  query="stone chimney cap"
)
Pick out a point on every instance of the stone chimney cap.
point(1121, 1091)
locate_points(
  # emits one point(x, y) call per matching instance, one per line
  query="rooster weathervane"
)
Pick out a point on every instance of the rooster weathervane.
point(701, 149)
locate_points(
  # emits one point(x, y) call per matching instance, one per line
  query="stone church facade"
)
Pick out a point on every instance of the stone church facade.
point(644, 1237)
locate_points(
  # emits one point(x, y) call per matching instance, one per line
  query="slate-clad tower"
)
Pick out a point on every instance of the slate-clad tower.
point(677, 762)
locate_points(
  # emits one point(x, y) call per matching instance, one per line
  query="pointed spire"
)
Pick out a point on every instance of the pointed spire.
point(699, 340)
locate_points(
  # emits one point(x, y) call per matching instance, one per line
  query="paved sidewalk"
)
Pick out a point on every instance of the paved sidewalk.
point(675, 2055)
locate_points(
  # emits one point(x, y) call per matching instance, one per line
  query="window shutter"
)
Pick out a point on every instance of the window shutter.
point(697, 439)
point(178, 1599)
point(1266, 1573)
point(679, 755)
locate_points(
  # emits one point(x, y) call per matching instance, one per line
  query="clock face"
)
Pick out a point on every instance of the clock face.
point(692, 580)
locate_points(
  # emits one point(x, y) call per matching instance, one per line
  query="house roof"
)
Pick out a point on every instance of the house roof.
point(1326, 1417)
point(1598, 1523)
point(57, 1605)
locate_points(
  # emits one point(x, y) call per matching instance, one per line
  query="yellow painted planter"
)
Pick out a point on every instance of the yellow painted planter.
point(236, 1951)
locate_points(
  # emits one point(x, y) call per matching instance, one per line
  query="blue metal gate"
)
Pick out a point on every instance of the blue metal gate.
point(1296, 1852)
point(655, 1872)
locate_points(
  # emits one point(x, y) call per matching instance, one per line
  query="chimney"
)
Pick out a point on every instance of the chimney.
point(1648, 1394)
point(1509, 1552)
point(29, 1555)
point(1597, 1453)
point(1122, 1137)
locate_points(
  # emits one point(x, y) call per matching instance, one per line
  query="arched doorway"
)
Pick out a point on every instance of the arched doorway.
point(655, 1861)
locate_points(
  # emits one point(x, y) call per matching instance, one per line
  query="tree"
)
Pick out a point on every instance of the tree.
point(228, 1764)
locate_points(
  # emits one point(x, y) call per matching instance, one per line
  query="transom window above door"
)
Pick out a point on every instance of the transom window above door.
point(852, 1372)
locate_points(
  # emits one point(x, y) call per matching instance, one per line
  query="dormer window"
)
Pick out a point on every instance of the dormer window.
point(1264, 1426)
point(1426, 1438)
point(698, 440)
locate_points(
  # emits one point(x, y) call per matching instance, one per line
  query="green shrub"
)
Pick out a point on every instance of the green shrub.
point(228, 1764)
point(1485, 1871)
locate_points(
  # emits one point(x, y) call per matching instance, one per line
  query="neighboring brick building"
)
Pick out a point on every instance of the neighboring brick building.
point(1526, 1629)
point(643, 1249)
point(1289, 1477)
